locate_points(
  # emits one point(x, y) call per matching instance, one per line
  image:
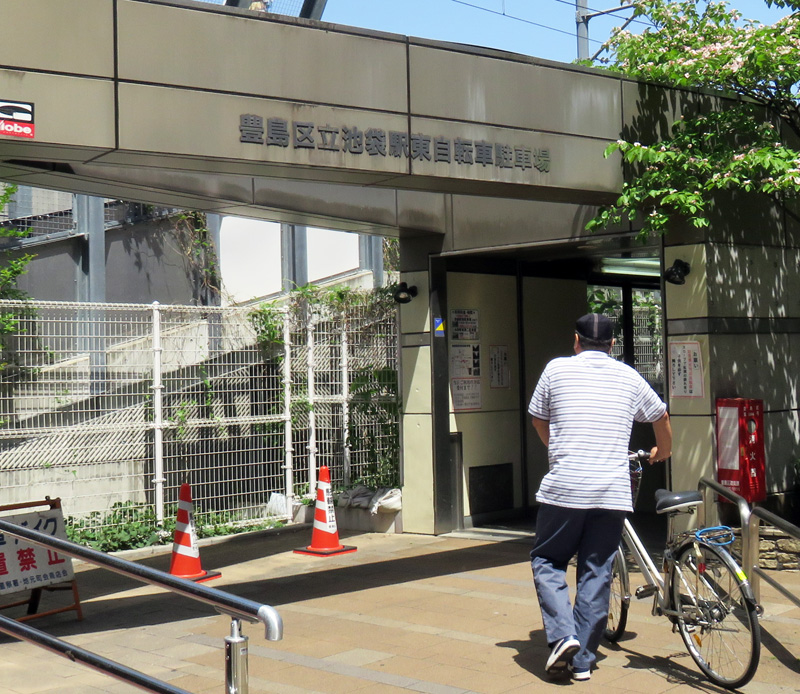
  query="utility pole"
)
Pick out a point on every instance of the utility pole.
point(582, 17)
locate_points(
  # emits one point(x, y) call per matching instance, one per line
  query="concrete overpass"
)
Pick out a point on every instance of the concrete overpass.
point(487, 165)
point(145, 100)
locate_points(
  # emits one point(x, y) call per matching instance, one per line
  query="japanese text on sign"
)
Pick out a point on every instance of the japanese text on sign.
point(466, 393)
point(685, 370)
point(375, 142)
point(24, 566)
point(500, 374)
point(464, 324)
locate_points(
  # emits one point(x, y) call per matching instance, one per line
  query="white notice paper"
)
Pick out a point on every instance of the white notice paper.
point(466, 394)
point(685, 370)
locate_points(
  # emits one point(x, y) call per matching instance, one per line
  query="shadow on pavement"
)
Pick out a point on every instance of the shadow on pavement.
point(105, 608)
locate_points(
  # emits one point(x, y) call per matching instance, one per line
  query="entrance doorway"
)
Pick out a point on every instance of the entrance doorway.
point(498, 487)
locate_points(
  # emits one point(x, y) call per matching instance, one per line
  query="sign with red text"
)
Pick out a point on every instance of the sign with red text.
point(685, 370)
point(16, 119)
point(24, 566)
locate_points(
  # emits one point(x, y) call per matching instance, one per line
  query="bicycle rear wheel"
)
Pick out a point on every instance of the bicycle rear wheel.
point(619, 598)
point(717, 616)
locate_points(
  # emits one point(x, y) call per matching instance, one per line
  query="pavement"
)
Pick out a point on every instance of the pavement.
point(453, 614)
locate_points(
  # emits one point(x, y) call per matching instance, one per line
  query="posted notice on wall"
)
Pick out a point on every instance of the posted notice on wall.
point(464, 324)
point(465, 360)
point(24, 566)
point(499, 372)
point(685, 370)
point(466, 393)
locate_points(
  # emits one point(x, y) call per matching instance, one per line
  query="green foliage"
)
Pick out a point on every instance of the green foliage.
point(374, 399)
point(731, 143)
point(197, 245)
point(267, 320)
point(132, 526)
point(11, 267)
point(373, 432)
point(126, 526)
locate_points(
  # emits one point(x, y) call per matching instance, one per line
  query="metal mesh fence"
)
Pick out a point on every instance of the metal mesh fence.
point(39, 211)
point(112, 406)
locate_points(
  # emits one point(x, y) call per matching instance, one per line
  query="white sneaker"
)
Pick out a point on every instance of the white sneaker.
point(579, 674)
point(561, 653)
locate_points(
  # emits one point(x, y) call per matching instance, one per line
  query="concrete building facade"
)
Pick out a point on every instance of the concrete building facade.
point(486, 166)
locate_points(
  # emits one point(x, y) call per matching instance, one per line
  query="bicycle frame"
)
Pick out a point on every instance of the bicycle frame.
point(644, 561)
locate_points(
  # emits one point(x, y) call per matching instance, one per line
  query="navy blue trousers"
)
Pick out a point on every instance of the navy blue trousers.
point(561, 533)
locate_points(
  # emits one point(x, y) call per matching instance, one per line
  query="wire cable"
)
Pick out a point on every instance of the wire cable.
point(572, 34)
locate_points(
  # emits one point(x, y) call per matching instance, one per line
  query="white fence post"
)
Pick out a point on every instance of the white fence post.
point(288, 466)
point(312, 419)
point(158, 418)
point(345, 402)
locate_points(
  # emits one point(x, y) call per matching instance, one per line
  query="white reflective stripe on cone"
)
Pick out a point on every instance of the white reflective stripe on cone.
point(186, 551)
point(325, 527)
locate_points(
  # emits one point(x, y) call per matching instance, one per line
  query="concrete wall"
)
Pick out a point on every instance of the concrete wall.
point(491, 427)
point(741, 304)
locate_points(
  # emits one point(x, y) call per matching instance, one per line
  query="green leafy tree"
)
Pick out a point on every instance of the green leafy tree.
point(747, 142)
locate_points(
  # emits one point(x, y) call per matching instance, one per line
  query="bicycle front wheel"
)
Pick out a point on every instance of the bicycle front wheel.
point(717, 616)
point(619, 599)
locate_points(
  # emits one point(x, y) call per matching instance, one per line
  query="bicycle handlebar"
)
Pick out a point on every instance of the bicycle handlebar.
point(640, 456)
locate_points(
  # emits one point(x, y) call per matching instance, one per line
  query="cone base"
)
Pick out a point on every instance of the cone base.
point(201, 577)
point(344, 549)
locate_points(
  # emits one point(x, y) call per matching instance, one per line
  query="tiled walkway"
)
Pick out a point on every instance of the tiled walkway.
point(405, 613)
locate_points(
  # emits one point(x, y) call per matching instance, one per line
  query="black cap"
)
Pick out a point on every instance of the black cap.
point(596, 327)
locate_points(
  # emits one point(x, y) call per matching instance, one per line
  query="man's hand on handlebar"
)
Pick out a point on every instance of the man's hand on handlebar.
point(656, 456)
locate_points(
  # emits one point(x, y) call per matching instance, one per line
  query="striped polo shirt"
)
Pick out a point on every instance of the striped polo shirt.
point(591, 401)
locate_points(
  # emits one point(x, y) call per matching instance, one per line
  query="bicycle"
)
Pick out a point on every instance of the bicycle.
point(703, 591)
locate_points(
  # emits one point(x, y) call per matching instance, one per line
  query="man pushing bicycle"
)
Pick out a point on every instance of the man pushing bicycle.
point(583, 409)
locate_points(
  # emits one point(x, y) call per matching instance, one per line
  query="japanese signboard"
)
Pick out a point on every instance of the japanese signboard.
point(499, 372)
point(466, 393)
point(464, 324)
point(382, 144)
point(685, 370)
point(24, 566)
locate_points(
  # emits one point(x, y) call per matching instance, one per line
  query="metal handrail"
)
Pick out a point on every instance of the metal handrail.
point(27, 633)
point(749, 544)
point(751, 523)
point(232, 605)
point(757, 572)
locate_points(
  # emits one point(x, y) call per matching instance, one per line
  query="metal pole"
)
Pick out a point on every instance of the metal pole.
point(224, 603)
point(582, 28)
point(236, 681)
point(288, 466)
point(312, 419)
point(345, 402)
point(158, 418)
point(79, 655)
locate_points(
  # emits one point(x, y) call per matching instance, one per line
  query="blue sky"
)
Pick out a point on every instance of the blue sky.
point(543, 28)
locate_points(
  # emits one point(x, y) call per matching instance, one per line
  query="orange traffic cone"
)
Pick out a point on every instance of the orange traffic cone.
point(185, 553)
point(325, 536)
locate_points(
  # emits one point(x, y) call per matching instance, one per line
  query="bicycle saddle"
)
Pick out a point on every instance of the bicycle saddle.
point(672, 502)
